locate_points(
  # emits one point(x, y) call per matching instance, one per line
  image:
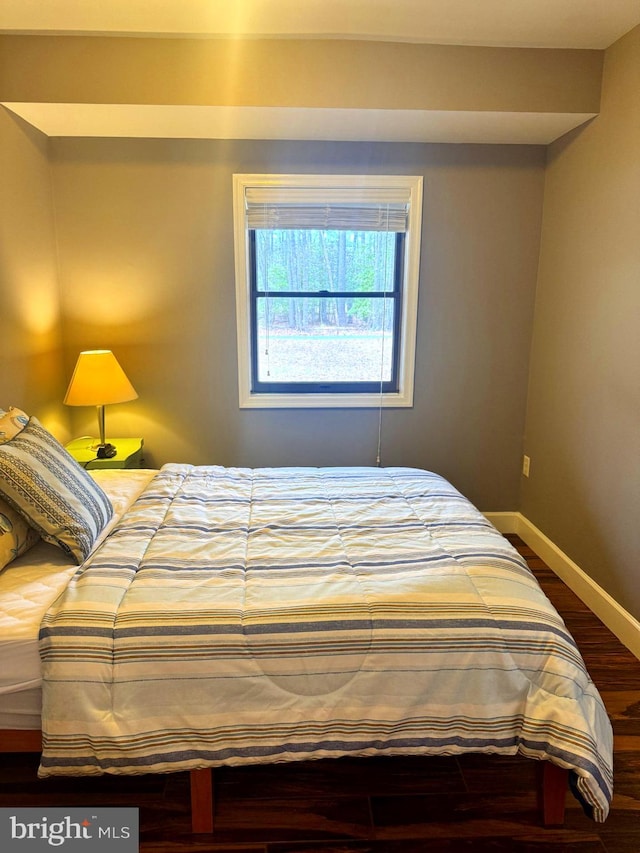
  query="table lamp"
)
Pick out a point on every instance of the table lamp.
point(99, 380)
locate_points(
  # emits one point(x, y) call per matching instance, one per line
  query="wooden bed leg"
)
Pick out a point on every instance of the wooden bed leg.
point(202, 800)
point(552, 789)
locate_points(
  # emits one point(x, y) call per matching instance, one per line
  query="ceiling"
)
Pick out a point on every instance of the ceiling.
point(589, 24)
point(510, 23)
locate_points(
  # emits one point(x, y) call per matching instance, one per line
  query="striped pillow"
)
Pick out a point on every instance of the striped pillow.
point(56, 495)
point(16, 535)
point(11, 423)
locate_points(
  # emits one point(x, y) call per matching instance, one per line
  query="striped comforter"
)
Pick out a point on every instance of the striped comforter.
point(248, 616)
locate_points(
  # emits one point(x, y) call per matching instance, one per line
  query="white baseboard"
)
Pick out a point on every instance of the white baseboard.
point(505, 522)
point(621, 623)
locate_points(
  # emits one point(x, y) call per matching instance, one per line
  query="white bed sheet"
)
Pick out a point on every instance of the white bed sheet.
point(28, 586)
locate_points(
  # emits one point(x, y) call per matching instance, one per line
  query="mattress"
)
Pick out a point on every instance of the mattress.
point(28, 587)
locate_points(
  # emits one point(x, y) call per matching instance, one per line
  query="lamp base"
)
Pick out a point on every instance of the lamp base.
point(106, 451)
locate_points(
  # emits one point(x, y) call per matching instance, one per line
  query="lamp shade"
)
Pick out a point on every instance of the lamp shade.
point(98, 380)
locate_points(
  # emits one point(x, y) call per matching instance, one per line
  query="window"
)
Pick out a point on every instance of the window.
point(326, 289)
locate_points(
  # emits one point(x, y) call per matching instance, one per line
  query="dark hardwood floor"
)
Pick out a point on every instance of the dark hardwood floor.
point(473, 803)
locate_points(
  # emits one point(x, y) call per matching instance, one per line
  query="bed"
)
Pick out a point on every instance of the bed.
point(231, 616)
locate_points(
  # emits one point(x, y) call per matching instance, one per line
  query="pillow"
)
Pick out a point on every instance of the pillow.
point(16, 536)
point(11, 423)
point(52, 492)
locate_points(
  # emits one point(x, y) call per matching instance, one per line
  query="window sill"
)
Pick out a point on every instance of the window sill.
point(325, 401)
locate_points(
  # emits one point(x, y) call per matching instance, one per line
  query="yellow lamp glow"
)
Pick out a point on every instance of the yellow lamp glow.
point(99, 380)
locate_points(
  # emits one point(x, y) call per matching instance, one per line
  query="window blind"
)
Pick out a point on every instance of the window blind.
point(337, 208)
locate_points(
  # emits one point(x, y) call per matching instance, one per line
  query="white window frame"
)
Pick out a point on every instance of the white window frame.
point(411, 268)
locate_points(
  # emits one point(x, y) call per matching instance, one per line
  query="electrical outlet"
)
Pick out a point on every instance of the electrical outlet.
point(526, 465)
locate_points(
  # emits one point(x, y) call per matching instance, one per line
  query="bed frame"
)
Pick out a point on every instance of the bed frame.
point(552, 784)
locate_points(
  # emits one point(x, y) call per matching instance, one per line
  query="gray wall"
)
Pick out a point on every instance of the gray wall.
point(31, 357)
point(583, 424)
point(146, 268)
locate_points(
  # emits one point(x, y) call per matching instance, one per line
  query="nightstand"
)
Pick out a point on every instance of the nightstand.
point(128, 455)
